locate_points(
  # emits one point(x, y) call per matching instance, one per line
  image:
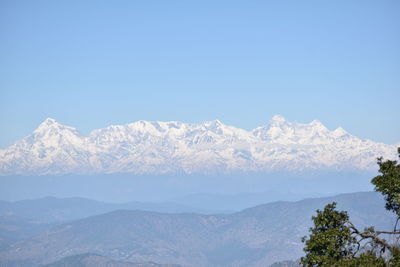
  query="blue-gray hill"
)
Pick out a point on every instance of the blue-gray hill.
point(256, 236)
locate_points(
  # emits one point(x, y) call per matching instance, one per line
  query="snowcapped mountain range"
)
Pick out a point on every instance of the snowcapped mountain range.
point(144, 147)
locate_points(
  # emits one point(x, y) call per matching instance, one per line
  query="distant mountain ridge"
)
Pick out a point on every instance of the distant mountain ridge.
point(257, 236)
point(93, 260)
point(55, 210)
point(146, 147)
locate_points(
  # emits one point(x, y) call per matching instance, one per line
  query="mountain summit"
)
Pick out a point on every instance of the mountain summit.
point(174, 147)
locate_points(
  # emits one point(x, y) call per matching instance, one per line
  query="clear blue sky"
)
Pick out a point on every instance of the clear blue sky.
point(90, 64)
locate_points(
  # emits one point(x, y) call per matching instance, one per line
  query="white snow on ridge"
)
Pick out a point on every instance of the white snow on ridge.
point(144, 147)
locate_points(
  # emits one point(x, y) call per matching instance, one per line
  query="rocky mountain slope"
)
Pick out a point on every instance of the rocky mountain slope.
point(174, 147)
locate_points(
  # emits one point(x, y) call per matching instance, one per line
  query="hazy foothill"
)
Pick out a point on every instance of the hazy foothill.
point(256, 236)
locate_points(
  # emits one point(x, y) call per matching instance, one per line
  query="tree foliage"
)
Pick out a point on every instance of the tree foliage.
point(335, 241)
point(388, 183)
point(330, 240)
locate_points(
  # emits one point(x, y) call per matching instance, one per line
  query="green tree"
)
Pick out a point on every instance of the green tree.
point(368, 258)
point(335, 241)
point(330, 240)
point(388, 183)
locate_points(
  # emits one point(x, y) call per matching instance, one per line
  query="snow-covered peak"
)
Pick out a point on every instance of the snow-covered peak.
point(318, 126)
point(214, 126)
point(281, 131)
point(214, 123)
point(51, 124)
point(339, 131)
point(317, 123)
point(146, 127)
point(54, 134)
point(277, 121)
point(48, 123)
point(145, 147)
